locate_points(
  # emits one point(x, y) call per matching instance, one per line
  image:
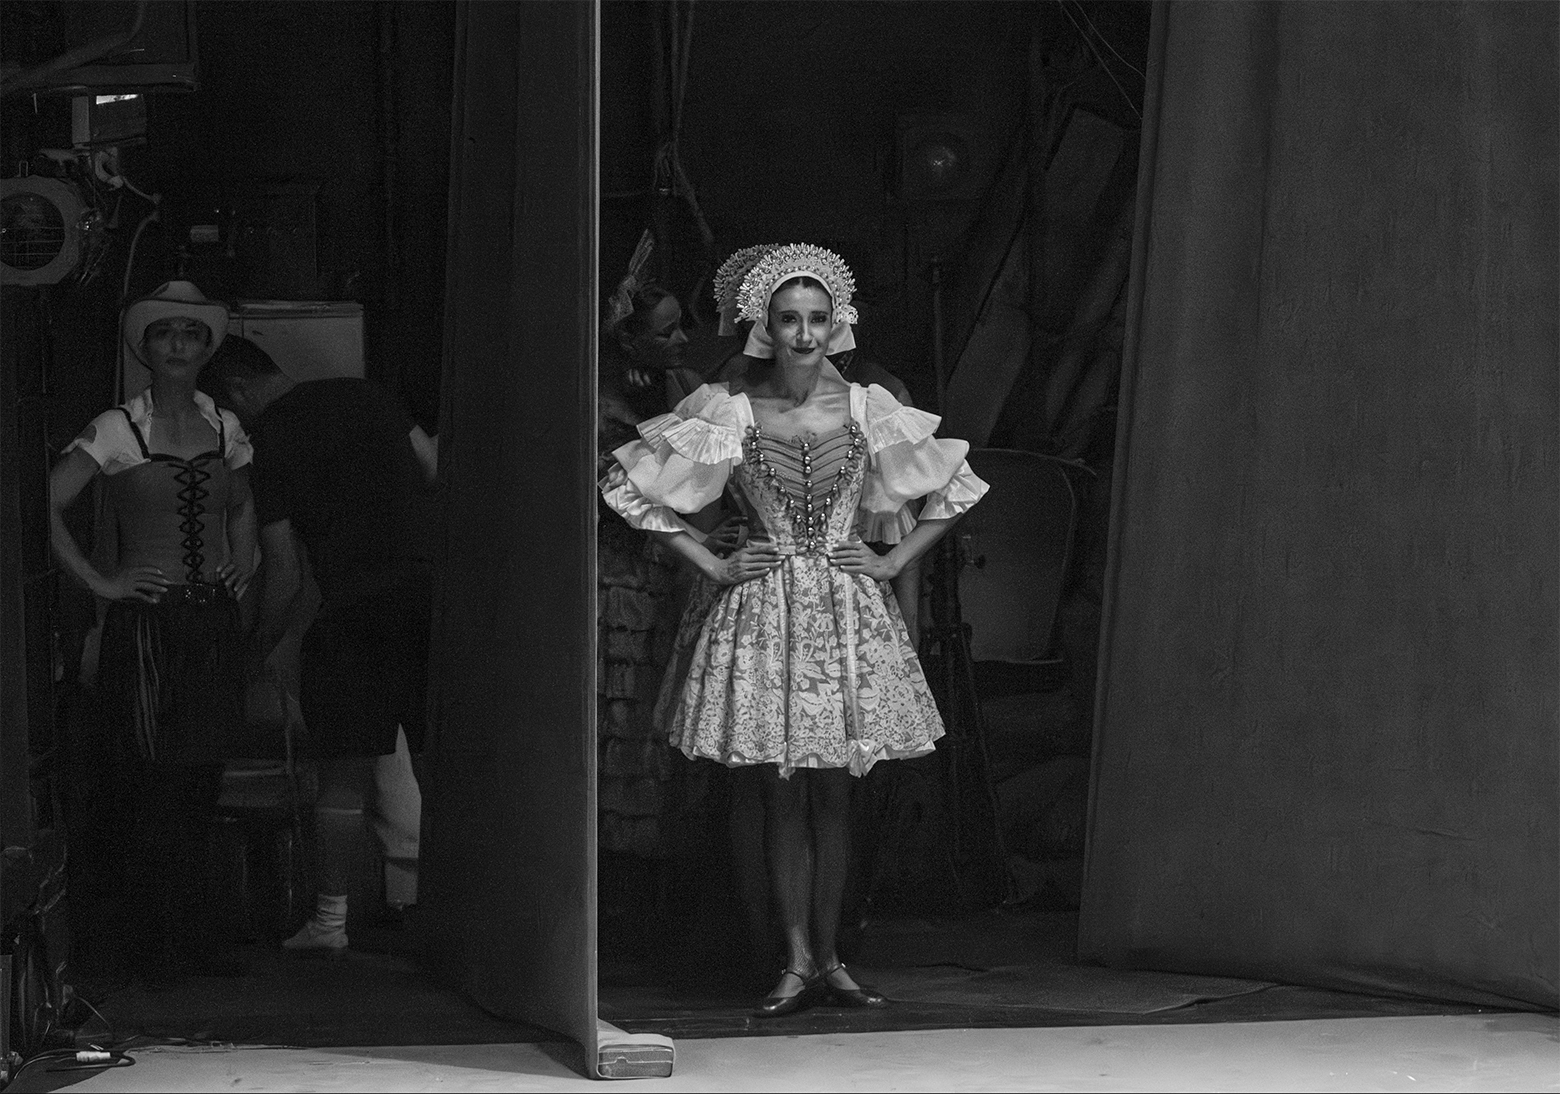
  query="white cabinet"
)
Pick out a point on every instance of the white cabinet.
point(308, 340)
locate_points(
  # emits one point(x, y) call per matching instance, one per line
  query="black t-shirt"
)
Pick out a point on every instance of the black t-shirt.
point(335, 458)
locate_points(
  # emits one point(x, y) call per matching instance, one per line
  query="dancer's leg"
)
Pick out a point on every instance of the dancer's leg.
point(828, 800)
point(748, 860)
point(338, 819)
point(790, 873)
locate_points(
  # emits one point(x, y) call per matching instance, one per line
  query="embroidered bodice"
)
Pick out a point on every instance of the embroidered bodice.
point(684, 460)
point(802, 493)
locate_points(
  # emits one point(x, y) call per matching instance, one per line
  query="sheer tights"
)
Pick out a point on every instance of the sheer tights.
point(808, 837)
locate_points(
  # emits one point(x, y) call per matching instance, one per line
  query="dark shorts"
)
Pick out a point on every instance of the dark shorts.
point(365, 672)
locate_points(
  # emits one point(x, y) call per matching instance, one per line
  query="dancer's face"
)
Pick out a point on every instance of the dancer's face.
point(659, 343)
point(800, 319)
point(176, 347)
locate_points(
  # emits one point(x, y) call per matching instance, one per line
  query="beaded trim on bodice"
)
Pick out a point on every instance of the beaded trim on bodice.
point(808, 488)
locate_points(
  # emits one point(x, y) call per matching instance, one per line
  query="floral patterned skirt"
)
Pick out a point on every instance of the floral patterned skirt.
point(806, 667)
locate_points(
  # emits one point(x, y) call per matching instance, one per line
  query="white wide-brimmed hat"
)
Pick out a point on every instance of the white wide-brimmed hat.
point(170, 300)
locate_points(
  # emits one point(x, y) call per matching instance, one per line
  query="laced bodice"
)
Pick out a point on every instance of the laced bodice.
point(170, 512)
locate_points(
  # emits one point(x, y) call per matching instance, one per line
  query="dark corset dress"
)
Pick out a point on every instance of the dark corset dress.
point(639, 602)
point(171, 672)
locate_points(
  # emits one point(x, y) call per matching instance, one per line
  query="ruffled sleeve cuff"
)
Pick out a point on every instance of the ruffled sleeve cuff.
point(890, 422)
point(680, 463)
point(652, 429)
point(637, 510)
point(886, 527)
point(699, 441)
point(955, 499)
point(909, 462)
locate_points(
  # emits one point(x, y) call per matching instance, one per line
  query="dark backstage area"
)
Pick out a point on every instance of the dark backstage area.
point(780, 544)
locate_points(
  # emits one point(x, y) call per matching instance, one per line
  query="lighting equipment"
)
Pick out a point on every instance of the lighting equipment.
point(43, 223)
point(943, 157)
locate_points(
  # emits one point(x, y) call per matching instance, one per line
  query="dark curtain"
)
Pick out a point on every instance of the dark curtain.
point(1327, 743)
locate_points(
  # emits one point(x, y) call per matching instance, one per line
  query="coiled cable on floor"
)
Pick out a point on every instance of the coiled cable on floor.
point(93, 1058)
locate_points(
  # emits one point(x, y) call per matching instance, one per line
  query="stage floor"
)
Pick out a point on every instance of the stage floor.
point(996, 969)
point(988, 970)
point(989, 1002)
point(1500, 1052)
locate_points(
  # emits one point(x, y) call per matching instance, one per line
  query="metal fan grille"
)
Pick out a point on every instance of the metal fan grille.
point(32, 231)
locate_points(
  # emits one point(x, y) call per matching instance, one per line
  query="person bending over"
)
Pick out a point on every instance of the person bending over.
point(338, 471)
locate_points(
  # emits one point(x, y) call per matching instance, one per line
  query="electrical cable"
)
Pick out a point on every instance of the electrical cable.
point(1088, 41)
point(105, 165)
point(93, 1058)
point(114, 1060)
point(96, 1057)
point(112, 1035)
point(134, 189)
point(135, 240)
point(1084, 12)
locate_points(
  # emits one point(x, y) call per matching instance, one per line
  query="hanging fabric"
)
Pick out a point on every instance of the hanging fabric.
point(1325, 750)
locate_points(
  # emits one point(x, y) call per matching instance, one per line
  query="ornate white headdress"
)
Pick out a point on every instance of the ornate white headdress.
point(728, 279)
point(621, 304)
point(777, 266)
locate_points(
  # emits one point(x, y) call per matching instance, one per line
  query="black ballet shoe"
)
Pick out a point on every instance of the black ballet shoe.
point(777, 1006)
point(859, 996)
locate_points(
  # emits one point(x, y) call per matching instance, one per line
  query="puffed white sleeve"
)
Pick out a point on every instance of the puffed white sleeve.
point(908, 462)
point(109, 440)
point(680, 463)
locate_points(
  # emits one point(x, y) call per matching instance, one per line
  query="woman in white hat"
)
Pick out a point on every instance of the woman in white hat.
point(804, 673)
point(170, 664)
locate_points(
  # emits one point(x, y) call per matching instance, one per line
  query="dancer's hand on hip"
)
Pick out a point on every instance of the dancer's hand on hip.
point(746, 563)
point(145, 583)
point(855, 557)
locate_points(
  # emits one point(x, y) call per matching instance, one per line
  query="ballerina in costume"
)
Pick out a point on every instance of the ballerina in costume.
point(648, 803)
point(803, 674)
point(724, 286)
